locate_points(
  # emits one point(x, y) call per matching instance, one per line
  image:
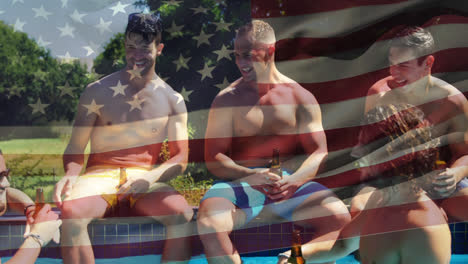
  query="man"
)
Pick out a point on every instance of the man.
point(262, 111)
point(39, 230)
point(126, 116)
point(17, 200)
point(444, 106)
point(399, 223)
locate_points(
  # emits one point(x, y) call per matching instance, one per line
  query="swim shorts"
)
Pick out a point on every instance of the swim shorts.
point(252, 201)
point(109, 190)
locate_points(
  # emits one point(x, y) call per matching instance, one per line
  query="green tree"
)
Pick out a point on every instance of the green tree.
point(29, 73)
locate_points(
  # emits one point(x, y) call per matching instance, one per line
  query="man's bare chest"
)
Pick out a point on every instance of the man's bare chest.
point(264, 120)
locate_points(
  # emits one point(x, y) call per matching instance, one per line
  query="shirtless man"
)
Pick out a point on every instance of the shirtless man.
point(399, 223)
point(444, 106)
point(44, 225)
point(262, 111)
point(126, 116)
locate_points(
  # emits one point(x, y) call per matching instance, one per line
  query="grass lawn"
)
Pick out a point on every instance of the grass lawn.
point(48, 150)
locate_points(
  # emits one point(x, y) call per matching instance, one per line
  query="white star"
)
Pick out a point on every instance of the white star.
point(103, 26)
point(135, 103)
point(77, 17)
point(89, 50)
point(38, 107)
point(185, 94)
point(15, 1)
point(200, 9)
point(220, 2)
point(174, 29)
point(222, 25)
point(118, 89)
point(64, 3)
point(135, 73)
point(172, 3)
point(66, 57)
point(42, 42)
point(203, 38)
point(206, 71)
point(18, 26)
point(181, 62)
point(118, 8)
point(41, 12)
point(93, 108)
point(66, 89)
point(223, 53)
point(14, 91)
point(66, 31)
point(223, 85)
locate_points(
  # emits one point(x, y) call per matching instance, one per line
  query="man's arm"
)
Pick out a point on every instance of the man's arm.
point(73, 158)
point(18, 200)
point(178, 144)
point(218, 139)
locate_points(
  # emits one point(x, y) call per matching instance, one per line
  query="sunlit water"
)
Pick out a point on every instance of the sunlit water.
point(456, 259)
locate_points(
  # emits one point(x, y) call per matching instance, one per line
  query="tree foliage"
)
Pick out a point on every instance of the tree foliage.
point(28, 73)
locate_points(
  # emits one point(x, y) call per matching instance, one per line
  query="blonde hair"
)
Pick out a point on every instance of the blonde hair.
point(261, 31)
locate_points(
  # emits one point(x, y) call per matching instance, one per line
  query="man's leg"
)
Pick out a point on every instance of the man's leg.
point(326, 214)
point(169, 207)
point(217, 217)
point(76, 215)
point(359, 201)
point(455, 205)
point(84, 205)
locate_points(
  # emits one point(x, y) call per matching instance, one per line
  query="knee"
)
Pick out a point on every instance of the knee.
point(74, 214)
point(179, 214)
point(208, 220)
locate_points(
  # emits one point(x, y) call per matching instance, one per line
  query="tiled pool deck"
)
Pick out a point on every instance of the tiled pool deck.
point(113, 238)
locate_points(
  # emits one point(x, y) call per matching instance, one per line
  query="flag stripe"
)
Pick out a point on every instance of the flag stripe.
point(302, 47)
point(268, 9)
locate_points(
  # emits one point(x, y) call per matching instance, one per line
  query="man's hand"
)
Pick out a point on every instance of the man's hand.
point(445, 182)
point(262, 180)
point(283, 189)
point(63, 187)
point(29, 213)
point(46, 224)
point(135, 186)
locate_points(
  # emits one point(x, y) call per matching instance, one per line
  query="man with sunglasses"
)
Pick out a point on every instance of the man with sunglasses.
point(13, 198)
point(126, 117)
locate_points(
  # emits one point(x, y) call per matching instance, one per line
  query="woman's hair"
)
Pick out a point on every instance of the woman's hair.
point(406, 138)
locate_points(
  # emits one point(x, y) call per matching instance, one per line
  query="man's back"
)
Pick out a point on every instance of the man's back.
point(410, 233)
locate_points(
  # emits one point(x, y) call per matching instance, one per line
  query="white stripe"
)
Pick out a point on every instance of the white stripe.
point(334, 23)
point(324, 69)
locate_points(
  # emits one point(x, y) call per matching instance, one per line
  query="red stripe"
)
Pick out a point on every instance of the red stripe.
point(269, 8)
point(303, 47)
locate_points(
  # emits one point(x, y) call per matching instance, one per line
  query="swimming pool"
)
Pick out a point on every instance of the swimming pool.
point(456, 259)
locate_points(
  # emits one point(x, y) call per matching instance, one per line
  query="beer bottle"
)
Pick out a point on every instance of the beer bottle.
point(296, 252)
point(40, 201)
point(276, 163)
point(123, 176)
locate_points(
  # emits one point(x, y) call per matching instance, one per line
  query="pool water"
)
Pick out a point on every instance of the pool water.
point(456, 259)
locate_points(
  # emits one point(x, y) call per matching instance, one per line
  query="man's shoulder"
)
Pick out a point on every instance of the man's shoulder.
point(96, 88)
point(229, 95)
point(452, 93)
point(176, 99)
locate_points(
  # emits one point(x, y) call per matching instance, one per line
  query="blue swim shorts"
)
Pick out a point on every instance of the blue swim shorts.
point(252, 201)
point(462, 184)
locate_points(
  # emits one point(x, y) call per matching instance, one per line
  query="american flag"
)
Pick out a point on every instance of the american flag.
point(335, 49)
